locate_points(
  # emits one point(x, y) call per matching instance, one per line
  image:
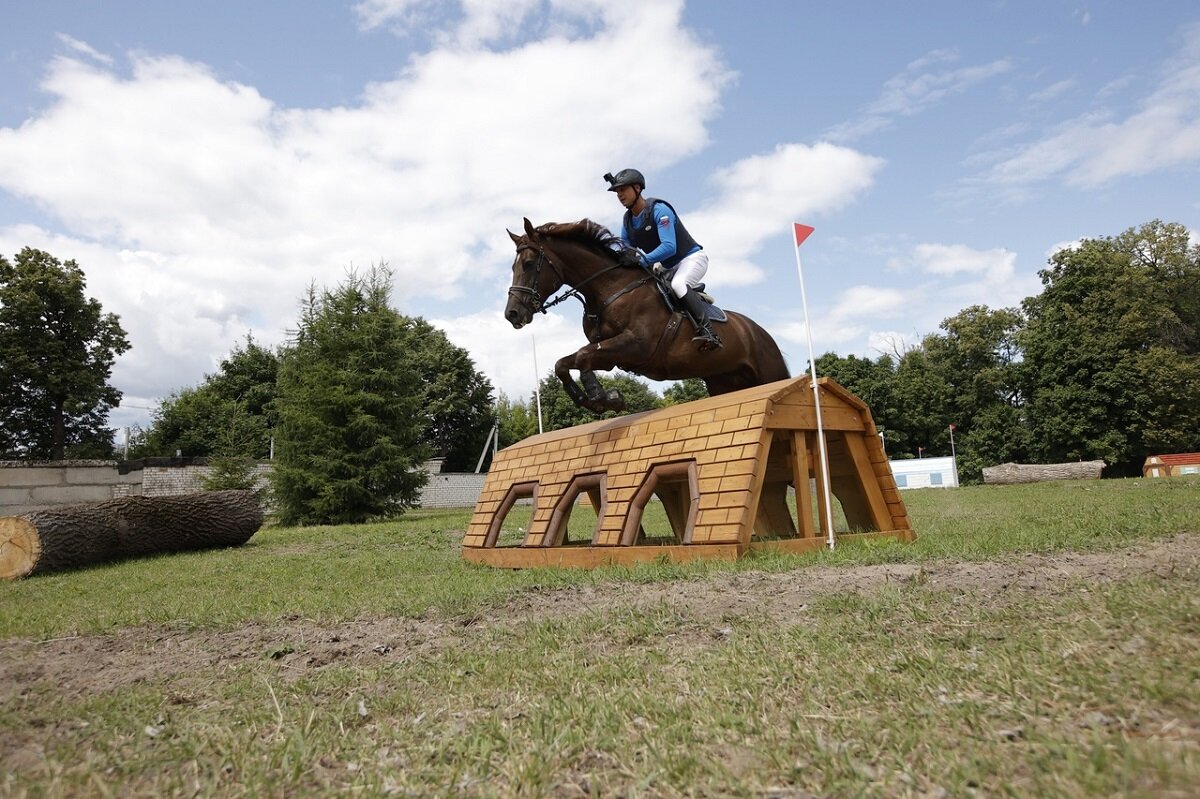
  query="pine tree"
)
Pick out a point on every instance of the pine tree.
point(348, 444)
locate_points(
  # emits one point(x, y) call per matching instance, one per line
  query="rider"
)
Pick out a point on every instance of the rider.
point(653, 227)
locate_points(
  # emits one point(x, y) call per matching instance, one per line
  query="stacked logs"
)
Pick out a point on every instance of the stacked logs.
point(77, 535)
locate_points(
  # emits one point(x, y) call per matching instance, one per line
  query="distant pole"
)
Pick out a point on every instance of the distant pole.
point(493, 435)
point(537, 381)
point(802, 232)
point(953, 454)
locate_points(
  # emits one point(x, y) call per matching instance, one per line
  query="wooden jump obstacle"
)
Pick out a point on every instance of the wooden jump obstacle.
point(721, 467)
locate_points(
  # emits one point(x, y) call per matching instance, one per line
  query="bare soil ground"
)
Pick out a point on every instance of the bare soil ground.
point(88, 664)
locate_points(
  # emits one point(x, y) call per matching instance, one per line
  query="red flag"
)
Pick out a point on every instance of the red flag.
point(802, 232)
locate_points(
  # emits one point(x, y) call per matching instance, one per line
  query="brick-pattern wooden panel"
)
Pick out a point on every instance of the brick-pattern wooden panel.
point(728, 438)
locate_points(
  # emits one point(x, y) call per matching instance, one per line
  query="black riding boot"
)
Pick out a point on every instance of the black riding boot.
point(704, 332)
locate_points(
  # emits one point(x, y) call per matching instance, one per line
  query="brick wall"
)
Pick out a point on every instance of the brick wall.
point(168, 481)
point(452, 490)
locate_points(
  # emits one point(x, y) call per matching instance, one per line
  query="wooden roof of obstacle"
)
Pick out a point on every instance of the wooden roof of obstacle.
point(731, 457)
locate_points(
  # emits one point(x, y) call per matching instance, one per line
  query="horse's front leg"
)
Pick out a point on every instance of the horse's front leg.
point(562, 370)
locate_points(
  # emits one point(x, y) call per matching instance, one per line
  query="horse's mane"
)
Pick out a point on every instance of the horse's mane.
point(592, 234)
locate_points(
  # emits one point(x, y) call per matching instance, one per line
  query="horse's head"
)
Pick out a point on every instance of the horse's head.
point(535, 277)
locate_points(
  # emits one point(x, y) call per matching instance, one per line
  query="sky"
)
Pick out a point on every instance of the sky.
point(205, 163)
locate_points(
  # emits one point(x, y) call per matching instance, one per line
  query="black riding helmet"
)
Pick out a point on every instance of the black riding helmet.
point(626, 177)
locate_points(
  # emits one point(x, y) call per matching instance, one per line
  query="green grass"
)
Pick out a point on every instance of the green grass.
point(911, 690)
point(411, 566)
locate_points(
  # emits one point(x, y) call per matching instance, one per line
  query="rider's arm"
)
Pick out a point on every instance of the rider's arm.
point(664, 218)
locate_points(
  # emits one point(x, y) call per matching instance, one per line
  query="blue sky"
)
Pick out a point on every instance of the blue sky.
point(204, 162)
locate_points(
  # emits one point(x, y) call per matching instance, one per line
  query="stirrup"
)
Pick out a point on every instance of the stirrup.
point(707, 338)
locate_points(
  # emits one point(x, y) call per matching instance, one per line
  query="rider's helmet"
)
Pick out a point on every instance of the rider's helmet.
point(626, 177)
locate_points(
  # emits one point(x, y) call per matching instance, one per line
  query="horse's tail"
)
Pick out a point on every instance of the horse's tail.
point(771, 364)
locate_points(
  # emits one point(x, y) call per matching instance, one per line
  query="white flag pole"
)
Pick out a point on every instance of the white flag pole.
point(802, 232)
point(537, 380)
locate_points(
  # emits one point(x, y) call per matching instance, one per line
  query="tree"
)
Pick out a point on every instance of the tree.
point(517, 419)
point(979, 361)
point(230, 414)
point(456, 400)
point(1111, 348)
point(349, 438)
point(688, 390)
point(874, 383)
point(57, 349)
point(922, 395)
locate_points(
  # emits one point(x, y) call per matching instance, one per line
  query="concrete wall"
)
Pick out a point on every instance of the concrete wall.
point(26, 487)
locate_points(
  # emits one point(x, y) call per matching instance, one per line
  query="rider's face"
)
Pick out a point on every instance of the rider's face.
point(627, 195)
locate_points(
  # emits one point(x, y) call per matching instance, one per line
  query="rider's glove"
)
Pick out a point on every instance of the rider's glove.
point(658, 269)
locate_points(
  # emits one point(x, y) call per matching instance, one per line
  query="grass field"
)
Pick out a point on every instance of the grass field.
point(1035, 640)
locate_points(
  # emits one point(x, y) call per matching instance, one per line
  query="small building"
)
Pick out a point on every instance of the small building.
point(1171, 465)
point(925, 473)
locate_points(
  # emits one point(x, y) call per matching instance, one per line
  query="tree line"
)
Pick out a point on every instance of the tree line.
point(1103, 363)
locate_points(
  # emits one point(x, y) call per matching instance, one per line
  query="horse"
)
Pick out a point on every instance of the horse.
point(625, 318)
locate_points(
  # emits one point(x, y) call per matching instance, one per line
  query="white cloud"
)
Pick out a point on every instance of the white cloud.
point(939, 281)
point(995, 265)
point(1098, 147)
point(1052, 91)
point(924, 83)
point(200, 209)
point(759, 197)
point(514, 359)
point(83, 48)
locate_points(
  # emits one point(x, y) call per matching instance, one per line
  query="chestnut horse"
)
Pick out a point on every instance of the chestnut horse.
point(626, 321)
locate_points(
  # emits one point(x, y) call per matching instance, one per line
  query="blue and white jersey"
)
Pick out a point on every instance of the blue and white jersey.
point(658, 232)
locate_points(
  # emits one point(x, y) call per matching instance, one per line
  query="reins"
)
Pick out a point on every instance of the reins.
point(572, 291)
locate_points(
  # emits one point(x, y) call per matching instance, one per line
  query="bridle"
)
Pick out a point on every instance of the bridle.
point(531, 290)
point(539, 304)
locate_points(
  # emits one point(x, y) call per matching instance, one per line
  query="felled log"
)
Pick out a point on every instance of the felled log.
point(76, 535)
point(1008, 473)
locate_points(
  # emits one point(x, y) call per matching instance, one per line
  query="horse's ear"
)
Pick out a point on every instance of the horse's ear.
point(529, 231)
point(516, 239)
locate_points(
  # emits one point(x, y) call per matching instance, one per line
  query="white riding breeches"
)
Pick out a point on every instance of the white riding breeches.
point(689, 272)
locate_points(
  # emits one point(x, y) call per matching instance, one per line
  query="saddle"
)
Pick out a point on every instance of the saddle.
point(662, 283)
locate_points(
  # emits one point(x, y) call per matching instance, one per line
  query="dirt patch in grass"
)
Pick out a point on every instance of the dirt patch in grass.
point(85, 665)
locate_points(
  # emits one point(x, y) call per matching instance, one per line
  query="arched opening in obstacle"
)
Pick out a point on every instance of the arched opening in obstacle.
point(676, 486)
point(496, 534)
point(792, 500)
point(558, 530)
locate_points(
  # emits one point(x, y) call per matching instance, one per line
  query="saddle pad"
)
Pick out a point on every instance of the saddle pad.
point(714, 313)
